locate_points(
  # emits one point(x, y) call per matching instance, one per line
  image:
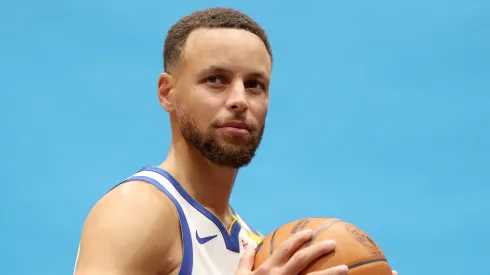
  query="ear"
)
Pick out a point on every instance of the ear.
point(165, 91)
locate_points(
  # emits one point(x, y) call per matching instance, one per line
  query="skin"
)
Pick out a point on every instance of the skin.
point(123, 231)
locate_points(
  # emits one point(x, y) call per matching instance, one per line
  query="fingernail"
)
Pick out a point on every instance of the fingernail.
point(342, 269)
point(328, 243)
point(306, 232)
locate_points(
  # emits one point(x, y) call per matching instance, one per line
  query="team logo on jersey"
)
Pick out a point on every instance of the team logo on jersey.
point(205, 239)
point(244, 244)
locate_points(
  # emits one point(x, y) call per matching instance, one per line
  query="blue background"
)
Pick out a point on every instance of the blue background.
point(379, 115)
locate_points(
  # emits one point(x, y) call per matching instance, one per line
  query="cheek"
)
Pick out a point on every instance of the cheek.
point(200, 114)
point(205, 106)
point(260, 110)
point(203, 118)
point(196, 105)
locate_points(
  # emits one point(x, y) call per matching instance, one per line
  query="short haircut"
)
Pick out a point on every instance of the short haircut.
point(212, 18)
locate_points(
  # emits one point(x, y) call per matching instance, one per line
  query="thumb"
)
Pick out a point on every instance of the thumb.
point(247, 260)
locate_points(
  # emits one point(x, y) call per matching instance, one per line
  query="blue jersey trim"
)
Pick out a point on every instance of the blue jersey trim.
point(187, 260)
point(231, 240)
point(249, 226)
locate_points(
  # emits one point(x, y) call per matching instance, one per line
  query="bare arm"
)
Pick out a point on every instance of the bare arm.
point(134, 229)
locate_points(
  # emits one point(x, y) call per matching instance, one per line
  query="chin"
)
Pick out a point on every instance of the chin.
point(232, 141)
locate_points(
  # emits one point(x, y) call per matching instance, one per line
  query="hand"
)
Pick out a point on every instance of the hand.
point(288, 261)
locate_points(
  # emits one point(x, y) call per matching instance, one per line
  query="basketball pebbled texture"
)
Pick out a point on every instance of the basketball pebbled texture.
point(354, 247)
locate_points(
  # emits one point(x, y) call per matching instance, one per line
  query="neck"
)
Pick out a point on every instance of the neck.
point(208, 184)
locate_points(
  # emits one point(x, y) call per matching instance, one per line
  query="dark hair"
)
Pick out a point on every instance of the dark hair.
point(208, 18)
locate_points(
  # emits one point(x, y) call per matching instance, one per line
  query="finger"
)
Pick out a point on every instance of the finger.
point(301, 259)
point(336, 270)
point(395, 272)
point(285, 250)
point(247, 260)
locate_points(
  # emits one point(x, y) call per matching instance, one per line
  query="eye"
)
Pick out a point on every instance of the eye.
point(255, 85)
point(214, 80)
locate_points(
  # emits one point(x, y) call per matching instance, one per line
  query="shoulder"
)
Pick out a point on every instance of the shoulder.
point(133, 226)
point(135, 204)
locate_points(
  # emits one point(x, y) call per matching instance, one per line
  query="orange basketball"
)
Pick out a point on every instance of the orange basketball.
point(354, 247)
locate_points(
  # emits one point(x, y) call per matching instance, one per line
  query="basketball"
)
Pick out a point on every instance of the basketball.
point(354, 248)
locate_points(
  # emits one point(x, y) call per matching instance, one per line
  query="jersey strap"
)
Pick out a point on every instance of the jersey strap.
point(186, 267)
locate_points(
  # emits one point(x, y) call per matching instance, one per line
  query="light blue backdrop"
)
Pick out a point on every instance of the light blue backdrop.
point(380, 115)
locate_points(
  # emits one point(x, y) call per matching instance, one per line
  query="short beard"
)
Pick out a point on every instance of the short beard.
point(222, 155)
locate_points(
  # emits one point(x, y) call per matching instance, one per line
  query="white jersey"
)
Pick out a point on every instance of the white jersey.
point(208, 247)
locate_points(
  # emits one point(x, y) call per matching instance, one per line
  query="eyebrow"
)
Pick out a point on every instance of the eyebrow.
point(217, 69)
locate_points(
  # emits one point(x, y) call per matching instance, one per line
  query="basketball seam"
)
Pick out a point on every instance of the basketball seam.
point(271, 244)
point(323, 228)
point(367, 262)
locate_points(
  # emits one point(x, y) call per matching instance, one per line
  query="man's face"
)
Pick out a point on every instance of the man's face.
point(222, 94)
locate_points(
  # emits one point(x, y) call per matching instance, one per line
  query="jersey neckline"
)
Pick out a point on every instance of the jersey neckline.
point(230, 236)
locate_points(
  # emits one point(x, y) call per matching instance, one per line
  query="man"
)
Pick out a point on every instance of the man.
point(176, 218)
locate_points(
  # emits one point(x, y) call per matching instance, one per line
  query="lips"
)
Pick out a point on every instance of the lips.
point(236, 125)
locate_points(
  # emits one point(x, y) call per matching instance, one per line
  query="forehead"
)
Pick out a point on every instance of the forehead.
point(234, 49)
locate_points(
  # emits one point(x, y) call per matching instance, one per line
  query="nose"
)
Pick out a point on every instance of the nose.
point(237, 98)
